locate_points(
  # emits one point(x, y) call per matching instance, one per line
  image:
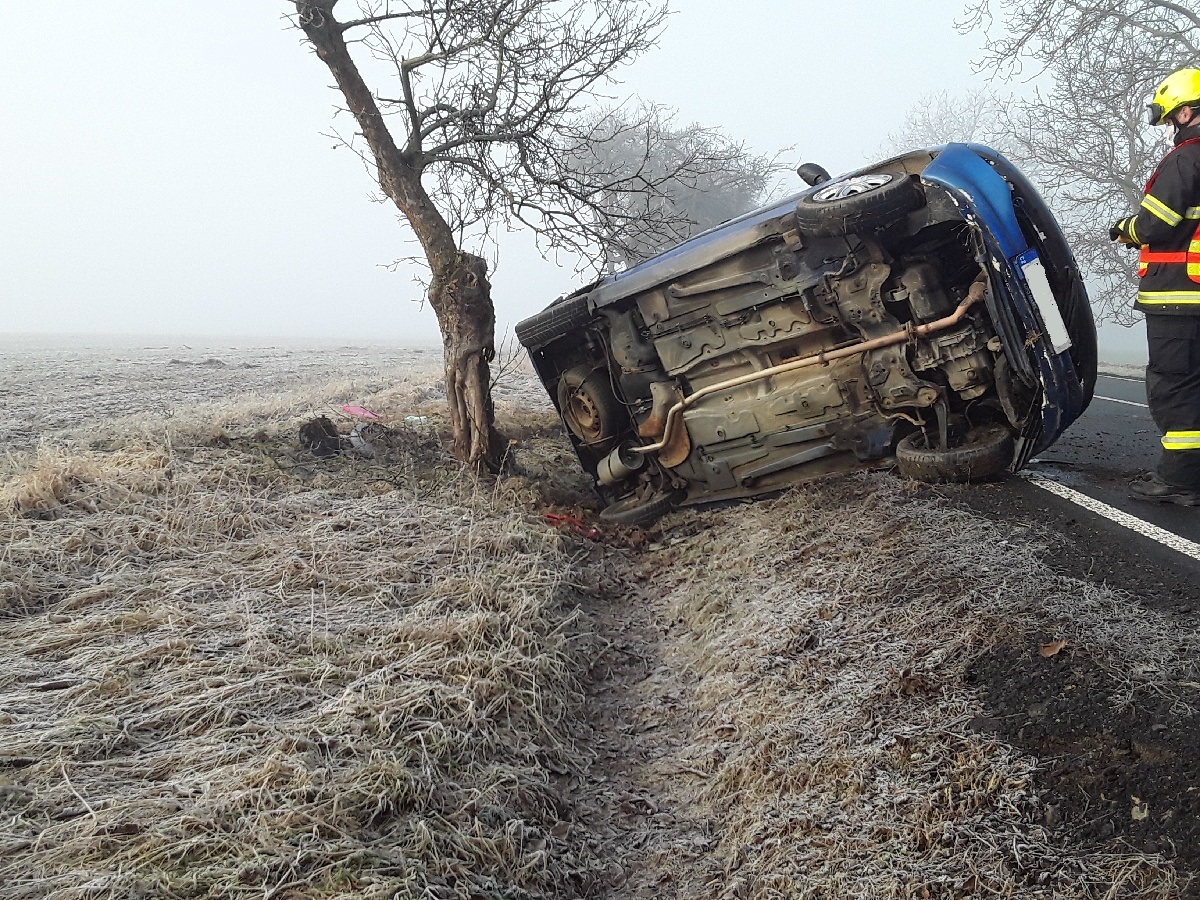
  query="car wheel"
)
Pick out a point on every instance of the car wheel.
point(636, 511)
point(589, 407)
point(984, 454)
point(557, 320)
point(858, 203)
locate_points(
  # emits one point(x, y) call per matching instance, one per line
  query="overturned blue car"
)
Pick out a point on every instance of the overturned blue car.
point(924, 312)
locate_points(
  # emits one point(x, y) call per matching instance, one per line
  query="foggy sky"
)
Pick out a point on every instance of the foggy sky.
point(163, 169)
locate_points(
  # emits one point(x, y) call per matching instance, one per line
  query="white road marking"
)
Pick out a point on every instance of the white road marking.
point(1126, 402)
point(1133, 523)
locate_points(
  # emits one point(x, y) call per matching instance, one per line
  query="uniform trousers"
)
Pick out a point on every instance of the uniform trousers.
point(1173, 393)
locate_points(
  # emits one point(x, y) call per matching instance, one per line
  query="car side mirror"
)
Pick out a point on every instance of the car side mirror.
point(812, 173)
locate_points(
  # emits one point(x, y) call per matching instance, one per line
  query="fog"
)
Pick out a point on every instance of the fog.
point(164, 170)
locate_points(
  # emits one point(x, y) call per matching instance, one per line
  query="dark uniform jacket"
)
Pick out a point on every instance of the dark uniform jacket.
point(1167, 226)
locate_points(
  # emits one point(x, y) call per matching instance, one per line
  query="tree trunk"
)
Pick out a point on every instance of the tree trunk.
point(459, 293)
point(461, 296)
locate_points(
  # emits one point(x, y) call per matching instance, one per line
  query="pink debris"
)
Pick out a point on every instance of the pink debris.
point(360, 412)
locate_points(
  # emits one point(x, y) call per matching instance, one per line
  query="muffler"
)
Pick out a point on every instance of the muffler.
point(619, 465)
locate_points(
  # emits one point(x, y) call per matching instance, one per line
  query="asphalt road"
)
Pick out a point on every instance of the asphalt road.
point(1095, 459)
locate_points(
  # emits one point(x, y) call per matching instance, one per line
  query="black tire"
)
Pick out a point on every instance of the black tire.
point(985, 454)
point(320, 438)
point(589, 408)
point(1081, 328)
point(822, 213)
point(633, 511)
point(553, 322)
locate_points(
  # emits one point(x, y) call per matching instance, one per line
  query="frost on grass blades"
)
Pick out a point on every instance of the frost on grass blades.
point(230, 669)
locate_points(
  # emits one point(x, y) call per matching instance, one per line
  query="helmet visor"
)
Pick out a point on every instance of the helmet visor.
point(1154, 113)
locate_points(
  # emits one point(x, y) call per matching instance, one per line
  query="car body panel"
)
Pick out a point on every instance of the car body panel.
point(718, 243)
point(988, 195)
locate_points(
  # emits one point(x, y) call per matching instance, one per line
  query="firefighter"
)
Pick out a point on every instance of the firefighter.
point(1167, 229)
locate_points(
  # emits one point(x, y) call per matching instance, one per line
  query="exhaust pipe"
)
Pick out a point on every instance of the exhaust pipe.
point(910, 333)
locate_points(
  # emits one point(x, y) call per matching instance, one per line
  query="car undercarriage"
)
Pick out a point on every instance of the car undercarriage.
point(852, 328)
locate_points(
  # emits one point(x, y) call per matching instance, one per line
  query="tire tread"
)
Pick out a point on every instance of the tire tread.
point(859, 212)
point(554, 322)
point(986, 455)
point(644, 514)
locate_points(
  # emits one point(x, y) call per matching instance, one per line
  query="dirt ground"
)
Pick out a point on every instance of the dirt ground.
point(1120, 768)
point(774, 699)
point(1115, 774)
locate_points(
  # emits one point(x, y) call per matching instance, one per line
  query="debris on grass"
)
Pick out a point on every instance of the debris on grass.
point(1053, 648)
point(359, 412)
point(320, 437)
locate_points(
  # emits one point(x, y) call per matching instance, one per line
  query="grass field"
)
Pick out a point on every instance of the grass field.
point(229, 669)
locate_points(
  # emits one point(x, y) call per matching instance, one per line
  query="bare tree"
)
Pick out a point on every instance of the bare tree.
point(1084, 135)
point(944, 117)
point(665, 183)
point(485, 111)
point(1162, 34)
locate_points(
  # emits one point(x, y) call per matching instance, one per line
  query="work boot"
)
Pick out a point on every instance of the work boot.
point(1150, 487)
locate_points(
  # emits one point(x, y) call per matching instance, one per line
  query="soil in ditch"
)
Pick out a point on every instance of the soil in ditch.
point(635, 804)
point(636, 801)
point(1115, 776)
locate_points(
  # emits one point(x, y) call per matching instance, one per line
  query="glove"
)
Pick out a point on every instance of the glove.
point(1119, 232)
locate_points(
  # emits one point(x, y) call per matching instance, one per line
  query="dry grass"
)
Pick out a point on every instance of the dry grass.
point(228, 669)
point(230, 672)
point(53, 384)
point(837, 746)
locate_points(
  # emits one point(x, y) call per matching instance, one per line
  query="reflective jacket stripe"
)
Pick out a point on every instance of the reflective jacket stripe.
point(1152, 297)
point(1157, 208)
point(1189, 258)
point(1181, 440)
point(1166, 226)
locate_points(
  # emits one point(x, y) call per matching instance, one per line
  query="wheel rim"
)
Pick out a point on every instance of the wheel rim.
point(851, 187)
point(584, 414)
